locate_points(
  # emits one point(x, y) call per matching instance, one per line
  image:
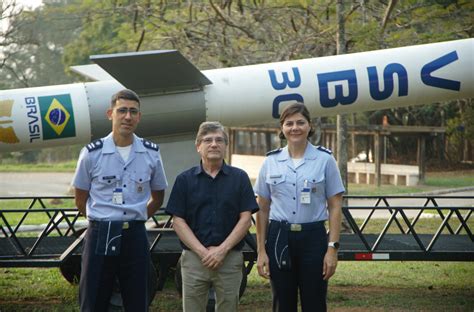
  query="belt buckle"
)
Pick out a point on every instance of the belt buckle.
point(125, 225)
point(294, 227)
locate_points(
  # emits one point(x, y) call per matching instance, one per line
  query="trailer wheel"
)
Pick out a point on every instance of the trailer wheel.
point(178, 280)
point(116, 302)
point(71, 269)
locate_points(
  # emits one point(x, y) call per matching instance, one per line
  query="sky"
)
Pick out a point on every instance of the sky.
point(30, 3)
point(23, 3)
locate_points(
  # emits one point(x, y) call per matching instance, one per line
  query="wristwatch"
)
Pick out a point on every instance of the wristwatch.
point(334, 245)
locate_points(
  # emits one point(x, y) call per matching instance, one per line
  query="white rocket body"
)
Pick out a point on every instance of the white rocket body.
point(35, 118)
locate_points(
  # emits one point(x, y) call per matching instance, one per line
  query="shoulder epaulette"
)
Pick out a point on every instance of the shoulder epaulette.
point(95, 145)
point(151, 145)
point(275, 151)
point(324, 149)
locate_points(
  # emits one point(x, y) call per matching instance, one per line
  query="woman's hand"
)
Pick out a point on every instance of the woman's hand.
point(330, 263)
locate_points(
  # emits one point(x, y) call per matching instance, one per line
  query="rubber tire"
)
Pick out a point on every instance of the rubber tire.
point(71, 269)
point(116, 303)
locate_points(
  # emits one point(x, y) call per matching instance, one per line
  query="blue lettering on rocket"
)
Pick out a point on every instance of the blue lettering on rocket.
point(348, 76)
point(286, 80)
point(286, 83)
point(436, 81)
point(283, 98)
point(33, 118)
point(388, 73)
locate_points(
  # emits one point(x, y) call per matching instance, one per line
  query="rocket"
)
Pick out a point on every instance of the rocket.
point(176, 96)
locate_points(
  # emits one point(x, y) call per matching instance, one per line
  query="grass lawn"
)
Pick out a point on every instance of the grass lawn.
point(68, 166)
point(433, 181)
point(357, 286)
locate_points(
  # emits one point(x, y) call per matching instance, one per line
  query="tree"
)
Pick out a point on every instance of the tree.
point(211, 34)
point(9, 11)
point(34, 45)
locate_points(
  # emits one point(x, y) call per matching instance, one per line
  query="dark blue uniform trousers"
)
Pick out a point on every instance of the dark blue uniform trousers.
point(306, 251)
point(131, 266)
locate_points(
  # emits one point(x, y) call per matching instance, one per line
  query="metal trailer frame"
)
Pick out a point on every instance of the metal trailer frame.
point(58, 242)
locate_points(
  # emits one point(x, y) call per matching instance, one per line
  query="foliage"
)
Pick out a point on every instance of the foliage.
point(212, 34)
point(9, 10)
point(460, 131)
point(39, 37)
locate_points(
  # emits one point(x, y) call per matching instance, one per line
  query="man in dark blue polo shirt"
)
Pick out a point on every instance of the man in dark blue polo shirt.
point(212, 205)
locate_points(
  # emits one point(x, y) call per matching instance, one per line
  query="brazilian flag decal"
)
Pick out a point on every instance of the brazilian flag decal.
point(57, 116)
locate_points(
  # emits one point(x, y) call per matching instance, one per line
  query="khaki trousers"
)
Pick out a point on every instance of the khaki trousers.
point(197, 280)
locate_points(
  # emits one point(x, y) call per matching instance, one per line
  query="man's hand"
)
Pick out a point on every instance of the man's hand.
point(330, 263)
point(81, 197)
point(156, 199)
point(214, 258)
point(263, 266)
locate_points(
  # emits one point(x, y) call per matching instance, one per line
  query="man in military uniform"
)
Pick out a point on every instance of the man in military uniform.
point(119, 183)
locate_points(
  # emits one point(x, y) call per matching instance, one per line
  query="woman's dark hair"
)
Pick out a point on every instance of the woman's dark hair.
point(292, 109)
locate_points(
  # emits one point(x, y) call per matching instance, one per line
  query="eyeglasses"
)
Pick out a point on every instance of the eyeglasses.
point(124, 110)
point(218, 140)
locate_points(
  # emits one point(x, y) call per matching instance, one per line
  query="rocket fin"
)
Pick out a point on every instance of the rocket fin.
point(92, 71)
point(152, 72)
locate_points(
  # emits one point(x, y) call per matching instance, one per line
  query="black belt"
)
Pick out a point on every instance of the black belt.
point(125, 225)
point(298, 227)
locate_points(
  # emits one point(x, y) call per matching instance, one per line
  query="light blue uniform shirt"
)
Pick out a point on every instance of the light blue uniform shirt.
point(101, 170)
point(281, 182)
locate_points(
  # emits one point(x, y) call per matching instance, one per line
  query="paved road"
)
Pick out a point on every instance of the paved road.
point(34, 184)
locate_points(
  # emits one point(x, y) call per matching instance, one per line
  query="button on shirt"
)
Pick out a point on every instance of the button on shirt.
point(281, 182)
point(102, 171)
point(211, 206)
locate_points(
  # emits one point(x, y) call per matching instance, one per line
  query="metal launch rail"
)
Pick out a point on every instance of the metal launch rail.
point(402, 234)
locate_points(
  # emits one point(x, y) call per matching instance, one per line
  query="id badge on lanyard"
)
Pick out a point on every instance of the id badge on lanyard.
point(305, 197)
point(117, 197)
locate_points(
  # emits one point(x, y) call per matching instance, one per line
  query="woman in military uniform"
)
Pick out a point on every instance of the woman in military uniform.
point(299, 187)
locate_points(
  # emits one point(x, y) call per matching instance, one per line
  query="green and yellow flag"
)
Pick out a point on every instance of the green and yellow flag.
point(57, 116)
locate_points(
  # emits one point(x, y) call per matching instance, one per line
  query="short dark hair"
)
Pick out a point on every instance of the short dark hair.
point(125, 94)
point(210, 127)
point(290, 110)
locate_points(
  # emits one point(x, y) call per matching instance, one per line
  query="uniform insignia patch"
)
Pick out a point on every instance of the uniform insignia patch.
point(151, 145)
point(92, 146)
point(275, 151)
point(324, 149)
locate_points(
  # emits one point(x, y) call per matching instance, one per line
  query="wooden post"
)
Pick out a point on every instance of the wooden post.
point(231, 146)
point(421, 159)
point(353, 138)
point(378, 175)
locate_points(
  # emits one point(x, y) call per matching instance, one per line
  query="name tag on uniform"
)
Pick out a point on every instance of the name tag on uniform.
point(117, 197)
point(139, 187)
point(305, 197)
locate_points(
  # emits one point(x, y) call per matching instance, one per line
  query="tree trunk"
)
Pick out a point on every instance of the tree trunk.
point(341, 150)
